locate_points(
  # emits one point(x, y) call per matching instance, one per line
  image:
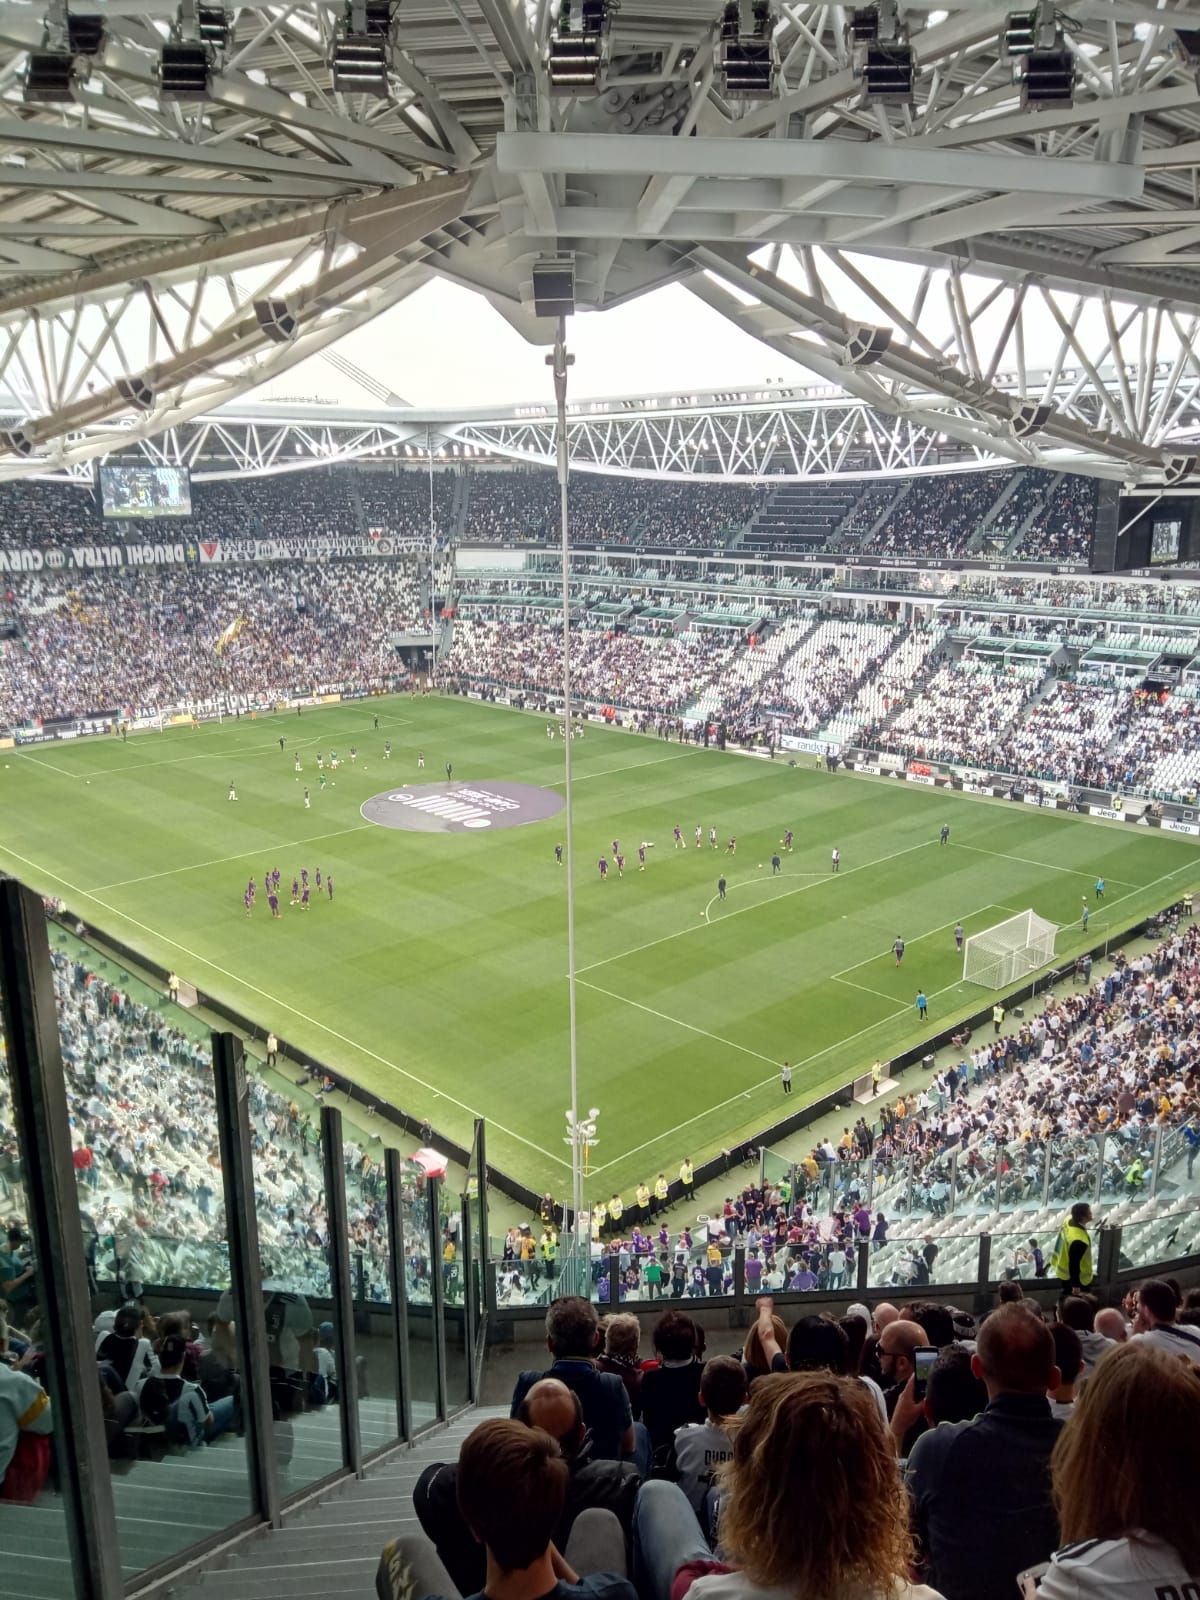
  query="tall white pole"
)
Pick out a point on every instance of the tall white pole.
point(433, 612)
point(559, 362)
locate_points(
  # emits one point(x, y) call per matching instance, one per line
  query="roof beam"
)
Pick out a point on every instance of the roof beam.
point(644, 155)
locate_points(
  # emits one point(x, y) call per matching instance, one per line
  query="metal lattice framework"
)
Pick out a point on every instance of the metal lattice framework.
point(160, 258)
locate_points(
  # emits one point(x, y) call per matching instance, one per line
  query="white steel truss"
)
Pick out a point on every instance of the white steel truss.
point(982, 234)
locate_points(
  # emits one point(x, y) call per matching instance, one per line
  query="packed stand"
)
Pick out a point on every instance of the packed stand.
point(912, 1452)
point(938, 515)
point(1063, 735)
point(654, 672)
point(884, 684)
point(396, 504)
point(200, 636)
point(1062, 529)
point(697, 515)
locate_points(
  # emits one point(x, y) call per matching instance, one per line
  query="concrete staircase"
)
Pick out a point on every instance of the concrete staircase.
point(1046, 496)
point(980, 538)
point(458, 506)
point(329, 1548)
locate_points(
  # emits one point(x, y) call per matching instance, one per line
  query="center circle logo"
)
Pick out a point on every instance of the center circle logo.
point(461, 807)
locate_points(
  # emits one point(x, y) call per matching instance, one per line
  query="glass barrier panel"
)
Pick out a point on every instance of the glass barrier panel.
point(1178, 1177)
point(1127, 1164)
point(977, 1180)
point(1074, 1169)
point(1021, 1175)
point(148, 1177)
point(1014, 1254)
point(297, 1298)
point(1163, 1237)
point(422, 1373)
point(454, 1292)
point(892, 1264)
point(376, 1357)
point(34, 1555)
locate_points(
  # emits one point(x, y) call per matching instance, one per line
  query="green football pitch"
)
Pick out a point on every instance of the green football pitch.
point(436, 978)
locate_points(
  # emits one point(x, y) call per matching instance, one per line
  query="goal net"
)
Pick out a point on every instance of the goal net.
point(1008, 952)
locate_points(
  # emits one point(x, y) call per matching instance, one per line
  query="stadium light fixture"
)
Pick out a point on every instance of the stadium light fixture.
point(49, 77)
point(883, 57)
point(1020, 33)
point(138, 393)
point(359, 59)
point(52, 72)
point(575, 56)
point(746, 58)
point(1177, 469)
point(184, 68)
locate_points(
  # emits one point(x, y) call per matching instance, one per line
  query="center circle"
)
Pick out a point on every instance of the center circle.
point(461, 807)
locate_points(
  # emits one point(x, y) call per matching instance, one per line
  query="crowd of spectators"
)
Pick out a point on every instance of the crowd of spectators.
point(963, 713)
point(937, 516)
point(199, 636)
point(1062, 529)
point(913, 1452)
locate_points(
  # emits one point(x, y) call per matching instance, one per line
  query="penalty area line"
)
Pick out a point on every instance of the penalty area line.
point(284, 1005)
point(662, 1015)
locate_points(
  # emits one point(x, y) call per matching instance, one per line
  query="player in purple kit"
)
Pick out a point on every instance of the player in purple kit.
point(295, 891)
point(620, 860)
point(603, 865)
point(248, 901)
point(329, 885)
point(318, 880)
point(275, 880)
point(616, 849)
point(731, 847)
point(678, 839)
point(304, 898)
point(787, 838)
point(273, 902)
point(251, 891)
point(641, 858)
point(304, 877)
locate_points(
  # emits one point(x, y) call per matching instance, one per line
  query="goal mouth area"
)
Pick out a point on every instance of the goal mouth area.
point(1003, 954)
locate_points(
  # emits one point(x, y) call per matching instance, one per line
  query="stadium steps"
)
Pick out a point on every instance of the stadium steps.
point(979, 538)
point(330, 1548)
point(1014, 544)
point(458, 507)
point(356, 500)
point(868, 538)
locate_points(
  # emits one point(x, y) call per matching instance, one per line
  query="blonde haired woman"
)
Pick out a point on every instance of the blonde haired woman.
point(812, 1506)
point(1124, 1474)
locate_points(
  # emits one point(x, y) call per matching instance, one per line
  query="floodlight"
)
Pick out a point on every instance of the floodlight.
point(1177, 469)
point(49, 77)
point(183, 71)
point(863, 27)
point(1020, 33)
point(137, 392)
point(85, 34)
point(359, 64)
point(1049, 77)
point(213, 26)
point(888, 73)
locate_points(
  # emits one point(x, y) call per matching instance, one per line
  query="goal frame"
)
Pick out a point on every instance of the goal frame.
point(1000, 956)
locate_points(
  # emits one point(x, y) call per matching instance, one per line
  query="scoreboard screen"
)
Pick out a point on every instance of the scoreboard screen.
point(145, 491)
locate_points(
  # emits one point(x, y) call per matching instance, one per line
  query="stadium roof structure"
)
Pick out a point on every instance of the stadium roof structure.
point(948, 241)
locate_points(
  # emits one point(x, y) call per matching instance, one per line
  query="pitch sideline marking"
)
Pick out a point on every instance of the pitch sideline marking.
point(283, 1004)
point(799, 889)
point(42, 762)
point(863, 988)
point(220, 861)
point(690, 1026)
point(1048, 866)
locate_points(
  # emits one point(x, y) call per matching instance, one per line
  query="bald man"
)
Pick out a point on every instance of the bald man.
point(1110, 1324)
point(897, 1345)
point(980, 1490)
point(594, 1485)
point(885, 1313)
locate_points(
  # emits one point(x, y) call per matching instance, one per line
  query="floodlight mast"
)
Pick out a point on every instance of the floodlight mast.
point(559, 361)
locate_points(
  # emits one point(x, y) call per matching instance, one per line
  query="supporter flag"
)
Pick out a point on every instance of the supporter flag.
point(230, 634)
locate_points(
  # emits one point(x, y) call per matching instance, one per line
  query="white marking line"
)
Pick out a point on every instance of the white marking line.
point(42, 762)
point(691, 1027)
point(866, 989)
point(799, 889)
point(928, 934)
point(221, 861)
point(608, 772)
point(274, 1000)
point(766, 878)
point(1046, 866)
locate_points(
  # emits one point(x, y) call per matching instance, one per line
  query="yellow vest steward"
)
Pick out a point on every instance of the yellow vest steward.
point(660, 1189)
point(1068, 1235)
point(616, 1209)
